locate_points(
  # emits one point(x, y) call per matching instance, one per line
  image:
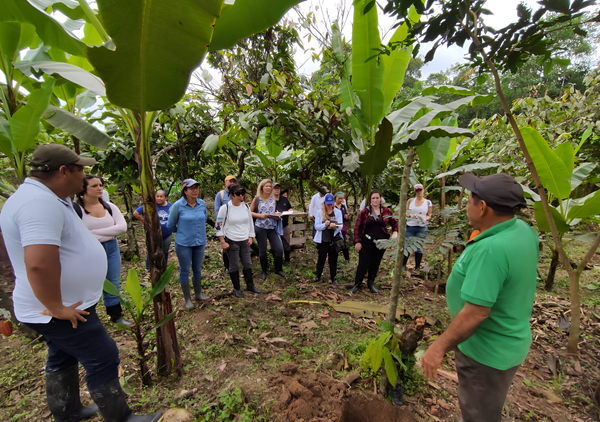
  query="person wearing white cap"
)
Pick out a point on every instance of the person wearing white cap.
point(187, 220)
point(418, 213)
point(328, 226)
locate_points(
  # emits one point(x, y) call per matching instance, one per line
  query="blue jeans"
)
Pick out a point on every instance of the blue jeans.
point(416, 231)
point(113, 273)
point(88, 344)
point(166, 244)
point(187, 255)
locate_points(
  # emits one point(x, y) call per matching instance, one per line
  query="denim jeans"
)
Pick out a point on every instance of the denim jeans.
point(166, 244)
point(88, 344)
point(416, 231)
point(187, 255)
point(274, 239)
point(113, 273)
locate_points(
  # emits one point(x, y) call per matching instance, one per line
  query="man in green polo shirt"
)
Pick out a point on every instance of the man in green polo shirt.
point(490, 295)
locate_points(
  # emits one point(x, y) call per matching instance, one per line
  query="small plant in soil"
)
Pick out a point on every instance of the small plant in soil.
point(139, 314)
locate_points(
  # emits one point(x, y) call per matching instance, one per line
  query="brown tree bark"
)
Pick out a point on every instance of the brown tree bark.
point(132, 245)
point(552, 271)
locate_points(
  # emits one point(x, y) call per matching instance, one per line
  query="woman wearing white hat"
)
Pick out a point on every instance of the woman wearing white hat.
point(418, 213)
point(187, 219)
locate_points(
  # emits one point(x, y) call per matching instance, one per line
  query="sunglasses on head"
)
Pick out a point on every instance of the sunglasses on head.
point(239, 192)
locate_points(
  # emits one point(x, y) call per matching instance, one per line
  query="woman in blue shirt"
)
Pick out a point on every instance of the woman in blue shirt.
point(163, 207)
point(188, 220)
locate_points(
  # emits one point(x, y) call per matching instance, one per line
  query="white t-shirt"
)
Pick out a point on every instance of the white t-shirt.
point(238, 226)
point(82, 258)
point(420, 212)
point(107, 227)
point(316, 205)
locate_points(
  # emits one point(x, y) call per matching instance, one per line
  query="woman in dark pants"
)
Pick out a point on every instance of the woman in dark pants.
point(235, 230)
point(370, 226)
point(340, 204)
point(263, 209)
point(327, 226)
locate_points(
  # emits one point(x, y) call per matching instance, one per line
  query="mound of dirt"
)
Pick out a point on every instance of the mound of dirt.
point(315, 397)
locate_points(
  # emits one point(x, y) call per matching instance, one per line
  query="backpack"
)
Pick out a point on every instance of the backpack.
point(79, 210)
point(222, 195)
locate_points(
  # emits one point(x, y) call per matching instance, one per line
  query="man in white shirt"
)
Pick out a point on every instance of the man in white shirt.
point(60, 270)
point(316, 204)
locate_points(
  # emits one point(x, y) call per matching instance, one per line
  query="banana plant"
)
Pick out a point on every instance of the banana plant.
point(138, 308)
point(561, 178)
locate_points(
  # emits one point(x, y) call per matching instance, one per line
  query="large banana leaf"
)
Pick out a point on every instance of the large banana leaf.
point(375, 159)
point(68, 71)
point(25, 123)
point(14, 37)
point(432, 153)
point(158, 44)
point(580, 173)
point(50, 31)
point(542, 222)
point(246, 17)
point(590, 207)
point(394, 65)
point(76, 126)
point(418, 137)
point(552, 170)
point(367, 76)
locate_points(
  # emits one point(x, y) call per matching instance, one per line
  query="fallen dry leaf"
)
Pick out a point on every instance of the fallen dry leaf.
point(325, 323)
point(444, 404)
point(276, 340)
point(293, 324)
point(209, 378)
point(274, 298)
point(451, 376)
point(552, 397)
point(263, 335)
point(222, 367)
point(250, 351)
point(314, 294)
point(310, 324)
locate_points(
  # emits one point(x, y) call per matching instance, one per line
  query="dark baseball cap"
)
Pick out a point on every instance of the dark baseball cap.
point(323, 190)
point(48, 157)
point(500, 191)
point(275, 184)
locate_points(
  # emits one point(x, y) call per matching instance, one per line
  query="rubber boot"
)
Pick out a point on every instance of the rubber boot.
point(189, 305)
point(264, 261)
point(418, 258)
point(404, 261)
point(110, 398)
point(357, 285)
point(371, 285)
point(115, 313)
point(334, 280)
point(62, 394)
point(396, 393)
point(235, 280)
point(198, 289)
point(278, 261)
point(250, 281)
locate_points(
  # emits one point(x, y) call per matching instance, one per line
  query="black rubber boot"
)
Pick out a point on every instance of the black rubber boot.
point(334, 280)
point(115, 313)
point(235, 280)
point(371, 285)
point(110, 398)
point(404, 261)
point(396, 393)
point(264, 261)
point(189, 305)
point(250, 281)
point(62, 394)
point(198, 289)
point(418, 258)
point(278, 261)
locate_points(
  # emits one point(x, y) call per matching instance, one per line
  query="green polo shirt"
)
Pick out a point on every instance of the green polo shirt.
point(497, 270)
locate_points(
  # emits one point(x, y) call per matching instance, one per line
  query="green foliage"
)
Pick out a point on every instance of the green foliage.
point(230, 406)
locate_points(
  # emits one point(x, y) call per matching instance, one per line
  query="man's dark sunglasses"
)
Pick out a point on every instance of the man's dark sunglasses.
point(239, 192)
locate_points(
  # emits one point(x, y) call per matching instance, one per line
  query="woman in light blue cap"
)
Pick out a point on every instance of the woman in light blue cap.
point(187, 220)
point(328, 226)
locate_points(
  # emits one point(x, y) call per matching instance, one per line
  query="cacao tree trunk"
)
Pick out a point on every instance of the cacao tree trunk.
point(552, 271)
point(132, 245)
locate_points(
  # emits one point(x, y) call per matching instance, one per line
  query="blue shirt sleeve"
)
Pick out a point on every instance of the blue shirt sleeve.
point(217, 203)
point(140, 210)
point(173, 217)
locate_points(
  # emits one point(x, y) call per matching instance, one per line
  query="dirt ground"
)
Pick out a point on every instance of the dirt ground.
point(263, 358)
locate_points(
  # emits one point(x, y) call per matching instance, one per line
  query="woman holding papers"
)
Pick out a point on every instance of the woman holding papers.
point(266, 224)
point(418, 213)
